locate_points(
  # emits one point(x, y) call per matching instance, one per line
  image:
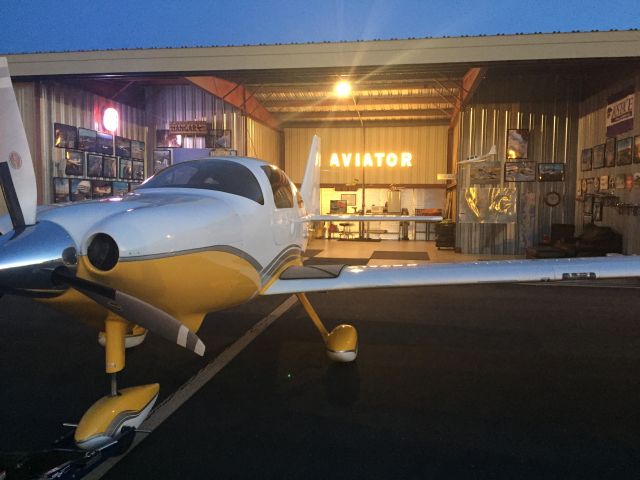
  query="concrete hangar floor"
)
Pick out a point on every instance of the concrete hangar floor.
point(494, 381)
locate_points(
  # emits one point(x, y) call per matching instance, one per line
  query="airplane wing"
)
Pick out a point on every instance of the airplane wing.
point(317, 278)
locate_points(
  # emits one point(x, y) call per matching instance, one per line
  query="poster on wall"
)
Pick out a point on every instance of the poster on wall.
point(94, 165)
point(517, 143)
point(74, 163)
point(87, 140)
point(137, 150)
point(120, 188)
point(109, 167)
point(598, 156)
point(167, 139)
point(636, 149)
point(485, 173)
point(64, 136)
point(620, 111)
point(610, 152)
point(624, 148)
point(161, 159)
point(60, 190)
point(100, 188)
point(519, 172)
point(104, 143)
point(586, 159)
point(123, 147)
point(218, 139)
point(80, 189)
point(125, 169)
point(551, 172)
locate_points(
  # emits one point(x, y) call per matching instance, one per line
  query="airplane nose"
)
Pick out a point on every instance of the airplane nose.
point(29, 255)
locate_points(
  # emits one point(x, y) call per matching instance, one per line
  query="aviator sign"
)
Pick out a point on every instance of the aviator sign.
point(378, 159)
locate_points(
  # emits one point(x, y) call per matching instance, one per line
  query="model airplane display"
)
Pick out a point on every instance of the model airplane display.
point(197, 237)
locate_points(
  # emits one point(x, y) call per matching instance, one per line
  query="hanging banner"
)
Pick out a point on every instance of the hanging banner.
point(620, 112)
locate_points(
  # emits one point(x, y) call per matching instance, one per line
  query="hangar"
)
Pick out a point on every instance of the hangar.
point(559, 109)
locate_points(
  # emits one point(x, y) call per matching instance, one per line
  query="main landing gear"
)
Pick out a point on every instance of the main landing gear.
point(341, 343)
point(120, 409)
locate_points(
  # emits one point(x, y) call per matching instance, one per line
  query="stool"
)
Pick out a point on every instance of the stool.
point(346, 230)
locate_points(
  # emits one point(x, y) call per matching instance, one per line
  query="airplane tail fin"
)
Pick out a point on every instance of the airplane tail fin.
point(310, 190)
point(17, 176)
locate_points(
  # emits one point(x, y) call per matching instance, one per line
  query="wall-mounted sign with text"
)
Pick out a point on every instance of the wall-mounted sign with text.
point(620, 112)
point(189, 127)
point(377, 159)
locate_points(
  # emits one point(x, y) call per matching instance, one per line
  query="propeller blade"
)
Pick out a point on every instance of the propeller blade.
point(17, 176)
point(134, 310)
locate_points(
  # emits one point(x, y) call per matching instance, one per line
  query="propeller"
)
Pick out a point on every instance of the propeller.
point(37, 259)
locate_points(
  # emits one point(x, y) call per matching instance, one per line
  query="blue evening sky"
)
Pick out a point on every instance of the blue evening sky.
point(60, 25)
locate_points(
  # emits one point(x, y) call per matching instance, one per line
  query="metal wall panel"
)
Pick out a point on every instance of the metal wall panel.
point(428, 146)
point(547, 106)
point(592, 132)
point(263, 142)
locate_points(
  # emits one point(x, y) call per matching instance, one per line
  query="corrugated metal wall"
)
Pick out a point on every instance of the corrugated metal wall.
point(187, 102)
point(592, 132)
point(428, 145)
point(263, 142)
point(547, 106)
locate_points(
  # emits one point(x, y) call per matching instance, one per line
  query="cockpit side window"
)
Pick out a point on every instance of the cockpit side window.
point(214, 174)
point(282, 192)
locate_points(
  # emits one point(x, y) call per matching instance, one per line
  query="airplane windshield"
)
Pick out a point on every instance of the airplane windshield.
point(214, 174)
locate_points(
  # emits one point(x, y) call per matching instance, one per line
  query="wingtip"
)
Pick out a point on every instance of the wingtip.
point(200, 348)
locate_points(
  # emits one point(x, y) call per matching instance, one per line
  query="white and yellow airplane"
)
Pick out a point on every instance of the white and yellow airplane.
point(197, 237)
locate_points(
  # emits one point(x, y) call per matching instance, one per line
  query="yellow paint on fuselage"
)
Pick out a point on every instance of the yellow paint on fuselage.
point(187, 286)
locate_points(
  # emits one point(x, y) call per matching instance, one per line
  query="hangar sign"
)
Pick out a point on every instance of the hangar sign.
point(620, 112)
point(378, 159)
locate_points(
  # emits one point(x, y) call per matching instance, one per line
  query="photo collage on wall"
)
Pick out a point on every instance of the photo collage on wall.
point(96, 164)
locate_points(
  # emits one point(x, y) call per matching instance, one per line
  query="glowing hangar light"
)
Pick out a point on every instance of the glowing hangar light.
point(110, 119)
point(342, 89)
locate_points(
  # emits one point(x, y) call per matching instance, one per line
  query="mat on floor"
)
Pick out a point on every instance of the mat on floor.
point(393, 255)
point(335, 261)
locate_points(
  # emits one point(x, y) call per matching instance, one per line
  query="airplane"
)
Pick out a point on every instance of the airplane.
point(196, 237)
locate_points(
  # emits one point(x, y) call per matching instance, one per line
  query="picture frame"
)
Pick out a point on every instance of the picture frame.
point(87, 140)
point(109, 166)
point(551, 172)
point(101, 189)
point(598, 156)
point(597, 210)
point(517, 143)
point(612, 182)
point(610, 152)
point(123, 147)
point(104, 143)
point(624, 151)
point(350, 198)
point(74, 163)
point(137, 150)
point(61, 192)
point(337, 206)
point(587, 206)
point(636, 149)
point(124, 172)
point(161, 159)
point(586, 160)
point(583, 186)
point(166, 139)
point(120, 189)
point(485, 173)
point(137, 170)
point(619, 180)
point(94, 165)
point(80, 189)
point(64, 136)
point(604, 182)
point(520, 171)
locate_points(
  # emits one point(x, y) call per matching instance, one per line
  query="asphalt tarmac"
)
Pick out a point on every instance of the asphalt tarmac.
point(495, 381)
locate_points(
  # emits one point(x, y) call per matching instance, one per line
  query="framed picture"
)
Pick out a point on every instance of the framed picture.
point(166, 139)
point(624, 151)
point(109, 167)
point(94, 165)
point(520, 171)
point(74, 163)
point(598, 156)
point(61, 190)
point(517, 143)
point(161, 159)
point(137, 150)
point(104, 143)
point(350, 198)
point(596, 184)
point(137, 170)
point(120, 188)
point(87, 140)
point(64, 136)
point(123, 147)
point(551, 172)
point(337, 206)
point(612, 182)
point(484, 174)
point(597, 210)
point(636, 149)
point(587, 208)
point(583, 186)
point(636, 179)
point(604, 182)
point(80, 189)
point(610, 152)
point(619, 180)
point(101, 188)
point(586, 159)
point(125, 169)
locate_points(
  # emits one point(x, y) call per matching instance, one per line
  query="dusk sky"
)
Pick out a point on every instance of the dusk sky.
point(46, 25)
